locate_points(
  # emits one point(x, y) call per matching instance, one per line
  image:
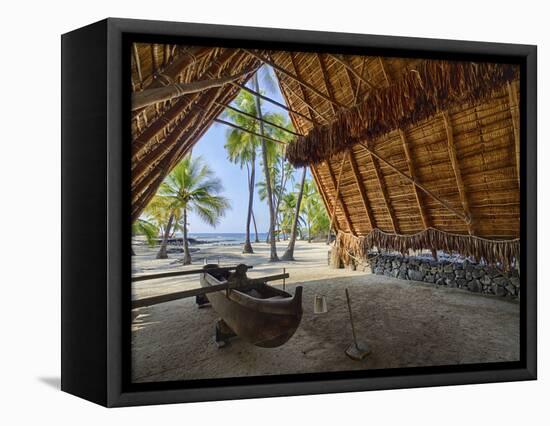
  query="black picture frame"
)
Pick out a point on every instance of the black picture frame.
point(95, 191)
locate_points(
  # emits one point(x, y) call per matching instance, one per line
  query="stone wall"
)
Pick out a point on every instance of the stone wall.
point(451, 273)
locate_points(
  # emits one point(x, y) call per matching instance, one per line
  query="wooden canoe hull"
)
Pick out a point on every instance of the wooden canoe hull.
point(265, 322)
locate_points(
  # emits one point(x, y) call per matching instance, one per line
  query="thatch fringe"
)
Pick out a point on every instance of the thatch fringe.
point(501, 253)
point(420, 94)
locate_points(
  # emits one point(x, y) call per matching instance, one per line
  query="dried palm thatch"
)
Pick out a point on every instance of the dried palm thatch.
point(428, 144)
point(419, 94)
point(349, 248)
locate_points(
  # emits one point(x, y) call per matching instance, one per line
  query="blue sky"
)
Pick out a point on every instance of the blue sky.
point(211, 148)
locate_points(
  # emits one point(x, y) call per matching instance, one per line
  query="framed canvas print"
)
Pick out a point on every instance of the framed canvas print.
point(257, 212)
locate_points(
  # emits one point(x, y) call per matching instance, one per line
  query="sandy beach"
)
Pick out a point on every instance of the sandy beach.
point(405, 323)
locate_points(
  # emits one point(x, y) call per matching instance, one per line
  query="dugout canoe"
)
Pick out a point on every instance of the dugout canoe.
point(258, 313)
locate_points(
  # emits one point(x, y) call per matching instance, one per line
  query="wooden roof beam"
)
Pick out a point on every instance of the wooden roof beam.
point(137, 60)
point(170, 92)
point(307, 104)
point(246, 114)
point(342, 61)
point(293, 77)
point(456, 169)
point(420, 186)
point(410, 166)
point(383, 189)
point(514, 112)
point(326, 81)
point(362, 191)
point(340, 198)
point(323, 192)
point(337, 193)
point(274, 102)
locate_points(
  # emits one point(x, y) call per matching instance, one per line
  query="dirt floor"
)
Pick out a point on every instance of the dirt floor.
point(405, 324)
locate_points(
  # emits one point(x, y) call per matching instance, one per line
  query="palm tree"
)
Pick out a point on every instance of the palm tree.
point(241, 149)
point(313, 208)
point(273, 249)
point(146, 228)
point(289, 253)
point(165, 216)
point(192, 187)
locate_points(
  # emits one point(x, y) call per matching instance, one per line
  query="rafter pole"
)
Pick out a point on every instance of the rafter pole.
point(383, 189)
point(172, 112)
point(423, 188)
point(514, 112)
point(339, 196)
point(242, 129)
point(323, 192)
point(293, 77)
point(246, 114)
point(337, 192)
point(362, 191)
point(307, 104)
point(456, 169)
point(138, 64)
point(274, 102)
point(155, 95)
point(346, 65)
point(326, 81)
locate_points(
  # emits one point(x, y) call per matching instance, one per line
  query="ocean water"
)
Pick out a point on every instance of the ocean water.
point(224, 238)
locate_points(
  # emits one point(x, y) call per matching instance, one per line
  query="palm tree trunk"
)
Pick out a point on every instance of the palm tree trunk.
point(247, 248)
point(309, 232)
point(289, 253)
point(273, 250)
point(186, 255)
point(256, 239)
point(162, 254)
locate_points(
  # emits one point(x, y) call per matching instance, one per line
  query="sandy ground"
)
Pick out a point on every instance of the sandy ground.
point(405, 323)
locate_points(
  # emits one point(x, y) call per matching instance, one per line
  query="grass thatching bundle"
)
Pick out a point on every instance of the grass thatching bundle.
point(495, 252)
point(418, 95)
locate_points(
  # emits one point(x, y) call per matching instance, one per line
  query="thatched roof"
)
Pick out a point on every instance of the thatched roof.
point(397, 145)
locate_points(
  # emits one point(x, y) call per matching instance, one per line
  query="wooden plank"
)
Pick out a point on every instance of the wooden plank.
point(362, 191)
point(456, 169)
point(147, 277)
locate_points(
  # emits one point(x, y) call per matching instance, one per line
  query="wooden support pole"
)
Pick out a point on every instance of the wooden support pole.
point(339, 197)
point(292, 76)
point(514, 112)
